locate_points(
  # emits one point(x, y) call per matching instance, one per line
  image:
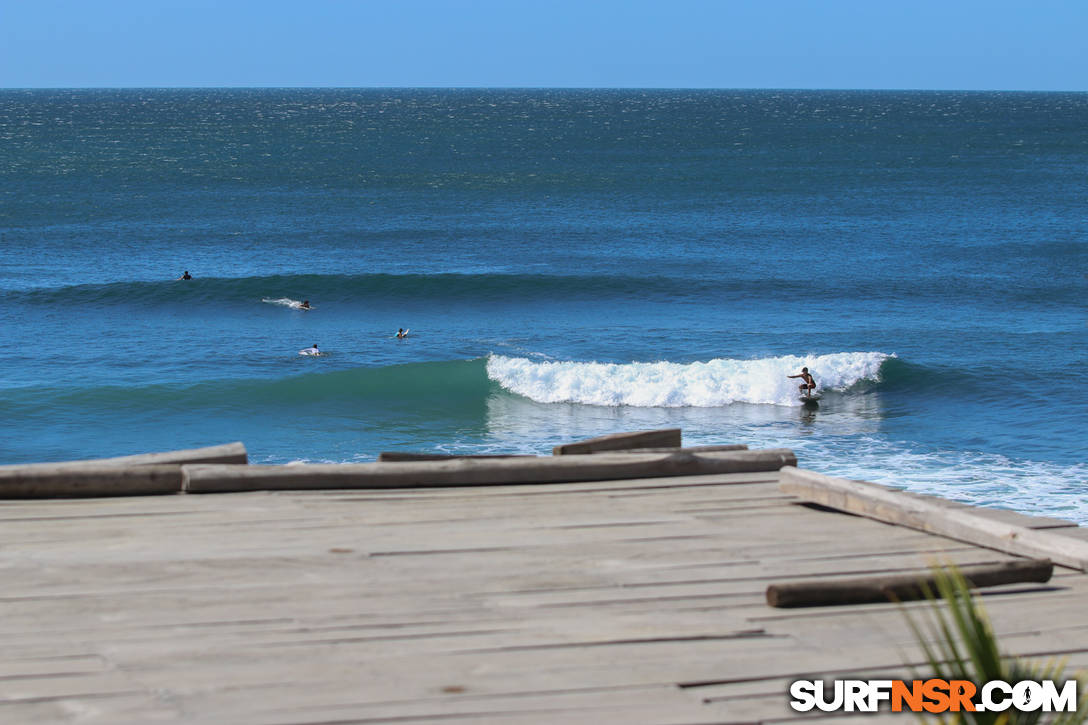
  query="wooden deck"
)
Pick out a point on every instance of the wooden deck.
point(636, 601)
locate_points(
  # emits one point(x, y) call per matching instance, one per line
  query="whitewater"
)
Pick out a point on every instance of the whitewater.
point(671, 385)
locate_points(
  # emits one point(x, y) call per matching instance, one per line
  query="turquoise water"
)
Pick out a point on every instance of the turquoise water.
point(570, 264)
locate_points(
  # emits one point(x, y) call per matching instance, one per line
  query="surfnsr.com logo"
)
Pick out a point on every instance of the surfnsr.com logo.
point(933, 696)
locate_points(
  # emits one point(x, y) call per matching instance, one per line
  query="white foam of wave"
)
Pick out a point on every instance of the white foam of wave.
point(714, 383)
point(1042, 488)
point(979, 478)
point(284, 302)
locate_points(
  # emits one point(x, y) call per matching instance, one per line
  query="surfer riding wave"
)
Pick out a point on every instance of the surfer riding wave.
point(808, 384)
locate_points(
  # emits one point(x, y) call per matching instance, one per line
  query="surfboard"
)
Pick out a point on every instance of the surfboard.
point(311, 352)
point(810, 400)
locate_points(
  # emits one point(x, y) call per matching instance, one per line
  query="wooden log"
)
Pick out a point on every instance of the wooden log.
point(399, 456)
point(895, 507)
point(66, 481)
point(687, 449)
point(903, 587)
point(395, 456)
point(202, 478)
point(226, 453)
point(665, 438)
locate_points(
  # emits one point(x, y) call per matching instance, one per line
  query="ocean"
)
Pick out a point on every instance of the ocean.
point(569, 263)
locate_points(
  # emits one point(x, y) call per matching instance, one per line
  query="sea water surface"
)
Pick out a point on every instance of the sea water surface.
point(570, 263)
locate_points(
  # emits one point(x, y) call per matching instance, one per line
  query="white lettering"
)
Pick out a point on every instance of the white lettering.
point(835, 703)
point(855, 697)
point(1064, 701)
point(1027, 696)
point(989, 703)
point(803, 693)
point(879, 691)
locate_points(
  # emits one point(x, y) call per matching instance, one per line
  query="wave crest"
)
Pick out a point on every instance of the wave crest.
point(709, 384)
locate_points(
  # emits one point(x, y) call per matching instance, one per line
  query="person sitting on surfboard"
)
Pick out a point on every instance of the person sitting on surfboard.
point(808, 385)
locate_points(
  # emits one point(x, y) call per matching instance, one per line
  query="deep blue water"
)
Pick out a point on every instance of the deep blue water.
point(570, 263)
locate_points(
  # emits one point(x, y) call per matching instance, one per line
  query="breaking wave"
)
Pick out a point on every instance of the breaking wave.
point(697, 384)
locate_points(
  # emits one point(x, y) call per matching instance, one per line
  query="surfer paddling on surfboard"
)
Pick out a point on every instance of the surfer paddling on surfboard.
point(808, 385)
point(402, 333)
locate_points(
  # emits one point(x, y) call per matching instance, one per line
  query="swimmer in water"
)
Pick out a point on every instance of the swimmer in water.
point(186, 275)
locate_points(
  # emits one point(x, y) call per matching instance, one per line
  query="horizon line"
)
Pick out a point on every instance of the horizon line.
point(537, 88)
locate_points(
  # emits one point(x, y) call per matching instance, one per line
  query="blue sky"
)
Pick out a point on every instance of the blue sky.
point(923, 44)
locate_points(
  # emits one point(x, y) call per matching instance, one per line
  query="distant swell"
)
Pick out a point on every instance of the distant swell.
point(346, 392)
point(666, 384)
point(490, 288)
point(324, 288)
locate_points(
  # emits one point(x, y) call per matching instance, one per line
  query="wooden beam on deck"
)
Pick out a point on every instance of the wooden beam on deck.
point(401, 456)
point(225, 453)
point(479, 472)
point(901, 587)
point(54, 481)
point(894, 507)
point(686, 449)
point(664, 438)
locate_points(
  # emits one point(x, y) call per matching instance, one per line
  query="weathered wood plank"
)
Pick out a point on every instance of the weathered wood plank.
point(225, 453)
point(396, 456)
point(893, 507)
point(665, 438)
point(47, 481)
point(53, 686)
point(687, 449)
point(1003, 515)
point(469, 472)
point(722, 484)
point(505, 604)
point(823, 592)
